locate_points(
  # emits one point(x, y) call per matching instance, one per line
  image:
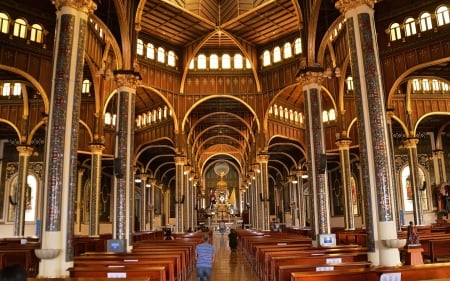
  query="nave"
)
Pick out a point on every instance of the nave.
point(229, 265)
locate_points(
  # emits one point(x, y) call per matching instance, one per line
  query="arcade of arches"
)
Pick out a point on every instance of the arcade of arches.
point(121, 116)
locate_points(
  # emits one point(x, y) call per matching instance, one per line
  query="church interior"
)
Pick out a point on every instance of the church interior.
point(122, 118)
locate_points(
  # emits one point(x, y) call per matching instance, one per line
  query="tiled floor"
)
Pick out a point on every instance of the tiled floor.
point(229, 265)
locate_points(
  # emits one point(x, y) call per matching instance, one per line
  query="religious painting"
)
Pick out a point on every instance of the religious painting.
point(30, 198)
point(407, 189)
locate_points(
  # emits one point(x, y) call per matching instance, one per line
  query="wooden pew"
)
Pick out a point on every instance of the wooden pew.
point(407, 272)
point(87, 279)
point(157, 273)
point(284, 271)
point(174, 258)
point(312, 251)
point(312, 259)
point(439, 249)
point(170, 263)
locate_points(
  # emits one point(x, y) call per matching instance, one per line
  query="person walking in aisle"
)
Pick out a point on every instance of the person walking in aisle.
point(205, 254)
point(232, 239)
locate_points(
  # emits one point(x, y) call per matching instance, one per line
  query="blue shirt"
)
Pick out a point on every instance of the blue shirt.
point(205, 253)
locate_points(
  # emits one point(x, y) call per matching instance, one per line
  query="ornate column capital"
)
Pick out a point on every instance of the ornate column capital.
point(343, 143)
point(410, 143)
point(180, 160)
point(96, 148)
point(262, 158)
point(345, 5)
point(127, 78)
point(25, 150)
point(87, 6)
point(310, 75)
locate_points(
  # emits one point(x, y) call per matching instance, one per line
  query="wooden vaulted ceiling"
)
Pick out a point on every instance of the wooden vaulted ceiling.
point(185, 23)
point(219, 127)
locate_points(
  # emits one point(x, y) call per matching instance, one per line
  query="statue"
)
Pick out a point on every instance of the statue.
point(412, 238)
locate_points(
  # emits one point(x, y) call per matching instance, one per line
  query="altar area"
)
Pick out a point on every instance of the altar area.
point(222, 203)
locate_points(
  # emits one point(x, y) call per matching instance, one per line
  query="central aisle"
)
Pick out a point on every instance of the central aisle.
point(229, 265)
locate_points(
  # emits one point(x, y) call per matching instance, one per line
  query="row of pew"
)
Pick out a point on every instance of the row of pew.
point(282, 257)
point(157, 259)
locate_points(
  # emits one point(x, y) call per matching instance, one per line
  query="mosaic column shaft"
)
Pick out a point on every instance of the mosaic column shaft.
point(124, 152)
point(96, 177)
point(25, 152)
point(376, 163)
point(344, 157)
point(311, 79)
point(61, 171)
point(393, 179)
point(411, 147)
point(263, 160)
point(180, 161)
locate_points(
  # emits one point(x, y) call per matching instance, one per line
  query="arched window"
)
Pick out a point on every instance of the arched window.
point(435, 85)
point(171, 58)
point(214, 61)
point(226, 61)
point(144, 120)
point(86, 86)
point(349, 81)
point(395, 31)
point(410, 27)
point(4, 23)
point(425, 22)
point(416, 85)
point(108, 120)
point(324, 116)
point(238, 62)
point(165, 112)
point(408, 192)
point(149, 117)
point(161, 55)
point(150, 51)
point(281, 112)
point(6, 89)
point(36, 33)
point(276, 54)
point(30, 198)
point(332, 115)
point(154, 115)
point(17, 90)
point(271, 110)
point(266, 58)
point(426, 85)
point(201, 61)
point(287, 50)
point(20, 28)
point(140, 47)
point(442, 16)
point(298, 46)
point(275, 110)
